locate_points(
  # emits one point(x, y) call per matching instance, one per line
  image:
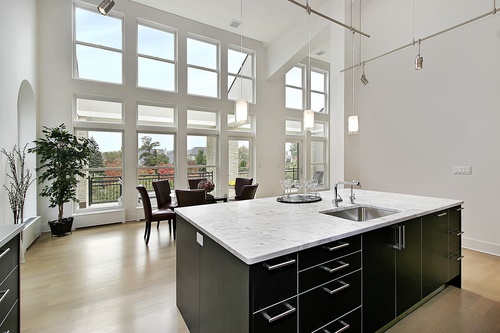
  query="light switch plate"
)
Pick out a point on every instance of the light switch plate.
point(462, 170)
point(199, 238)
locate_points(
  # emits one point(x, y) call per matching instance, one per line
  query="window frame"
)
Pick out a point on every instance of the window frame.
point(252, 78)
point(302, 89)
point(113, 14)
point(217, 71)
point(325, 93)
point(153, 25)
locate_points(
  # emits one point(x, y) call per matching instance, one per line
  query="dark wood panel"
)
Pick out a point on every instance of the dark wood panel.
point(325, 303)
point(329, 251)
point(378, 278)
point(270, 286)
point(224, 290)
point(328, 271)
point(434, 251)
point(286, 324)
point(188, 274)
point(408, 268)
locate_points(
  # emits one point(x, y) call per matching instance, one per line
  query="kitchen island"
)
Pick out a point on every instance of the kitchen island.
point(264, 266)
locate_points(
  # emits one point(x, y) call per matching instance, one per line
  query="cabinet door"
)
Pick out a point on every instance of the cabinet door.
point(280, 318)
point(408, 267)
point(378, 278)
point(454, 243)
point(434, 251)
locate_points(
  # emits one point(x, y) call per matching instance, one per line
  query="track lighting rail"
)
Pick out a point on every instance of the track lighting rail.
point(492, 12)
point(310, 10)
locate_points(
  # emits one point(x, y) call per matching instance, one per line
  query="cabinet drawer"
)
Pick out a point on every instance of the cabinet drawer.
point(9, 293)
point(312, 277)
point(274, 280)
point(11, 323)
point(329, 251)
point(9, 257)
point(324, 304)
point(281, 318)
point(350, 323)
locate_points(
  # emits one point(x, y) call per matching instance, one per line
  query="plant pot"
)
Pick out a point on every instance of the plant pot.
point(61, 228)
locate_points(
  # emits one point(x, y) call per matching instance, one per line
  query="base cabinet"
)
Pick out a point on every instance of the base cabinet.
point(455, 245)
point(10, 286)
point(391, 270)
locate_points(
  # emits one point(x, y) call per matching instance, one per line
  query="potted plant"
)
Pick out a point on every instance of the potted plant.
point(62, 157)
point(20, 181)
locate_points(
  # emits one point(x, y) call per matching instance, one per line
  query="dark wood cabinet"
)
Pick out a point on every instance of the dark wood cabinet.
point(434, 251)
point(10, 286)
point(391, 269)
point(455, 245)
point(280, 318)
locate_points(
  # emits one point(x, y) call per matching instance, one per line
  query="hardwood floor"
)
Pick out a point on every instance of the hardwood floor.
point(105, 279)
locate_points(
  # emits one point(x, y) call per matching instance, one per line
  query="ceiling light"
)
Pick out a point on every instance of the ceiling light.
point(105, 7)
point(308, 120)
point(363, 76)
point(419, 60)
point(308, 114)
point(241, 104)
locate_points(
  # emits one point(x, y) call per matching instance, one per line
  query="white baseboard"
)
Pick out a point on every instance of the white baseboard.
point(481, 246)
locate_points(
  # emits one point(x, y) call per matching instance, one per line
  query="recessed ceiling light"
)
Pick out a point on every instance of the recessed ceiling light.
point(320, 52)
point(235, 24)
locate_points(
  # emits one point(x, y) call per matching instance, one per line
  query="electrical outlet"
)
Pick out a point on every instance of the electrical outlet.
point(199, 238)
point(462, 170)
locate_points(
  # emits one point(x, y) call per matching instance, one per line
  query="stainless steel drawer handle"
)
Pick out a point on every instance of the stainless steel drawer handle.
point(333, 270)
point(4, 293)
point(283, 264)
point(441, 215)
point(346, 327)
point(334, 291)
point(459, 209)
point(270, 319)
point(460, 233)
point(338, 247)
point(4, 252)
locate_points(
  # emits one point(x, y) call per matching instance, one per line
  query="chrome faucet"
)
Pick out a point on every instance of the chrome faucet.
point(338, 198)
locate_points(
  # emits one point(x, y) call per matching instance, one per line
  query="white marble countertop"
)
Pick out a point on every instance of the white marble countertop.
point(261, 229)
point(7, 232)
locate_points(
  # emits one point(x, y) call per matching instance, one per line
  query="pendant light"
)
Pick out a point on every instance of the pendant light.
point(352, 121)
point(241, 104)
point(363, 76)
point(105, 7)
point(308, 113)
point(419, 60)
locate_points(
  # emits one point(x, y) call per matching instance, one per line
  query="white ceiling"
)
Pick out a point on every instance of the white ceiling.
point(263, 20)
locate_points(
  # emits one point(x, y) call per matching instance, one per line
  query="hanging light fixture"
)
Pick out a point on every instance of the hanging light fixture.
point(419, 60)
point(308, 113)
point(241, 104)
point(363, 76)
point(352, 121)
point(105, 7)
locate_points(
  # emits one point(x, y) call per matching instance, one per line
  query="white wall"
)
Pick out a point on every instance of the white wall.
point(416, 125)
point(18, 62)
point(57, 88)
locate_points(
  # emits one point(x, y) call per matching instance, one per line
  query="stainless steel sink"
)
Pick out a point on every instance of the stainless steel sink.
point(360, 213)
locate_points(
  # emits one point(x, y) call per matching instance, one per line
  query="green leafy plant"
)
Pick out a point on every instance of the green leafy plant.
point(62, 157)
point(20, 181)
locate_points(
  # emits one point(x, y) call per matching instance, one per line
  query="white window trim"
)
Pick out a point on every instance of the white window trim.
point(211, 70)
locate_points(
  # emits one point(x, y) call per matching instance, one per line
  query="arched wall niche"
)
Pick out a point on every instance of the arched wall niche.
point(27, 121)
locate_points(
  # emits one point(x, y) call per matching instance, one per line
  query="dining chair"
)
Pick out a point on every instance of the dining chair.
point(163, 191)
point(190, 197)
point(318, 177)
point(248, 192)
point(240, 182)
point(193, 183)
point(150, 215)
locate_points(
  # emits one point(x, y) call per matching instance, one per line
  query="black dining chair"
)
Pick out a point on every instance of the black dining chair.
point(240, 182)
point(163, 191)
point(193, 183)
point(248, 192)
point(187, 198)
point(150, 215)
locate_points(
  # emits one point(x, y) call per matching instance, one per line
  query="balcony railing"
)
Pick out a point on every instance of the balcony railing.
point(106, 189)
